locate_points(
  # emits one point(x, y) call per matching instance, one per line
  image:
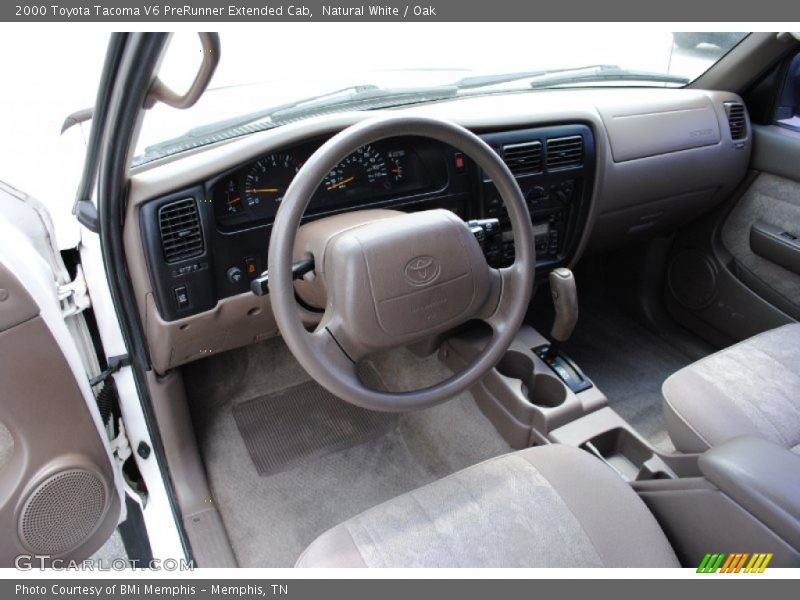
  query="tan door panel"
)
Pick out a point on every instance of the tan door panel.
point(57, 490)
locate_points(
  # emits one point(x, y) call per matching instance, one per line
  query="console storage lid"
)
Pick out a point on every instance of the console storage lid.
point(762, 477)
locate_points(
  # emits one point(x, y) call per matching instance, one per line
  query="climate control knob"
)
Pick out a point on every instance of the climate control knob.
point(537, 194)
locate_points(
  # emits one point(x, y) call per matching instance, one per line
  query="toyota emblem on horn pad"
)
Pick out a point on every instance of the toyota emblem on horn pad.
point(422, 270)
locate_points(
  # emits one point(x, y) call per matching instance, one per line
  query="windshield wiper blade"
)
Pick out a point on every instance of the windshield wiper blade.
point(479, 81)
point(369, 99)
point(604, 73)
point(550, 77)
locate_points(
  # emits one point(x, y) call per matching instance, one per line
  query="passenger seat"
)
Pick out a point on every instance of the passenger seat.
point(751, 388)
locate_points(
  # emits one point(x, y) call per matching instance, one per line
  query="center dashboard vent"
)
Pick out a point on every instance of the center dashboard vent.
point(524, 158)
point(736, 120)
point(181, 234)
point(564, 152)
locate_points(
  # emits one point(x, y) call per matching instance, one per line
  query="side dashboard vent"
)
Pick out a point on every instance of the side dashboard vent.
point(181, 234)
point(736, 120)
point(524, 158)
point(564, 152)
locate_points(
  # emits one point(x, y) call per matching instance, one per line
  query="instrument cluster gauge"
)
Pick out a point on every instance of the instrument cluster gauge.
point(380, 173)
point(232, 198)
point(397, 159)
point(266, 181)
point(363, 167)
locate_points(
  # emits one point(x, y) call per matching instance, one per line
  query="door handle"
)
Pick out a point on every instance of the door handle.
point(776, 245)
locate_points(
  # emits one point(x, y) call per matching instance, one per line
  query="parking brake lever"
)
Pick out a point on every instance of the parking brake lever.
point(260, 285)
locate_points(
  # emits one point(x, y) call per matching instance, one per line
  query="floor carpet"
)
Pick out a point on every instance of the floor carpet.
point(271, 519)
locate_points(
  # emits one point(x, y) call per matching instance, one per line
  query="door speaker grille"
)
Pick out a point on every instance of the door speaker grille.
point(62, 512)
point(692, 279)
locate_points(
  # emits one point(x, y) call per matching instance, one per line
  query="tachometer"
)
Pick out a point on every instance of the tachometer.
point(365, 165)
point(267, 180)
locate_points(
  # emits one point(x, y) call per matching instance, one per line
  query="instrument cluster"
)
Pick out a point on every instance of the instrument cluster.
point(384, 170)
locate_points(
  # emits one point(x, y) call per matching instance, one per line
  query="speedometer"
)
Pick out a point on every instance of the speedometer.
point(266, 181)
point(365, 165)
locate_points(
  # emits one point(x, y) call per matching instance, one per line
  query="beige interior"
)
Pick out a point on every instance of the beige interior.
point(406, 403)
point(642, 138)
point(273, 434)
point(635, 195)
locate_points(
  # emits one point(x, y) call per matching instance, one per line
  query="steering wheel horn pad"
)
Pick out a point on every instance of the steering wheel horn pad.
point(395, 281)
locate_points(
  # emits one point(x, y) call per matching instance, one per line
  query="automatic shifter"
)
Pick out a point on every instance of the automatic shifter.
point(565, 299)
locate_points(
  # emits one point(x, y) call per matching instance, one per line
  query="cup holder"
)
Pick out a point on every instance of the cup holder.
point(538, 388)
point(515, 365)
point(548, 391)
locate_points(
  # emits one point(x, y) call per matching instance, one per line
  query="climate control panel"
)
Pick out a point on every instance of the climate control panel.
point(554, 167)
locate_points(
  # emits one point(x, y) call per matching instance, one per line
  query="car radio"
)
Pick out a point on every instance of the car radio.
point(550, 210)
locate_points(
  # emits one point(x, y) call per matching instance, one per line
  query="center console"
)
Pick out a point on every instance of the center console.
point(530, 403)
point(537, 395)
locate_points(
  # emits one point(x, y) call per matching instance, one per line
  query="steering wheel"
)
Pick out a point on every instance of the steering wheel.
point(399, 279)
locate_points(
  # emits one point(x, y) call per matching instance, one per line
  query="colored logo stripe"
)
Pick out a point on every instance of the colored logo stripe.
point(711, 562)
point(758, 563)
point(735, 562)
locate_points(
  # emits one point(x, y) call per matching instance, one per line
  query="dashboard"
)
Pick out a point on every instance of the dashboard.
point(205, 243)
point(598, 169)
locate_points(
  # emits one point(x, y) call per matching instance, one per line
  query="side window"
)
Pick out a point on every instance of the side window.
point(787, 112)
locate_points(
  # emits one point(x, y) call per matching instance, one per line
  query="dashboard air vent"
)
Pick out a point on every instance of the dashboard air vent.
point(524, 158)
point(564, 152)
point(181, 235)
point(736, 120)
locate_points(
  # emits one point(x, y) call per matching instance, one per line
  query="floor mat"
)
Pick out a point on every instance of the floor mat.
point(303, 422)
point(629, 364)
point(271, 519)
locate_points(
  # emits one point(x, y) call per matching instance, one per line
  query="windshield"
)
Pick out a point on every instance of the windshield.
point(293, 71)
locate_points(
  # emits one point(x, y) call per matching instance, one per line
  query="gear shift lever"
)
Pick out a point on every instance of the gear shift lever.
point(565, 299)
